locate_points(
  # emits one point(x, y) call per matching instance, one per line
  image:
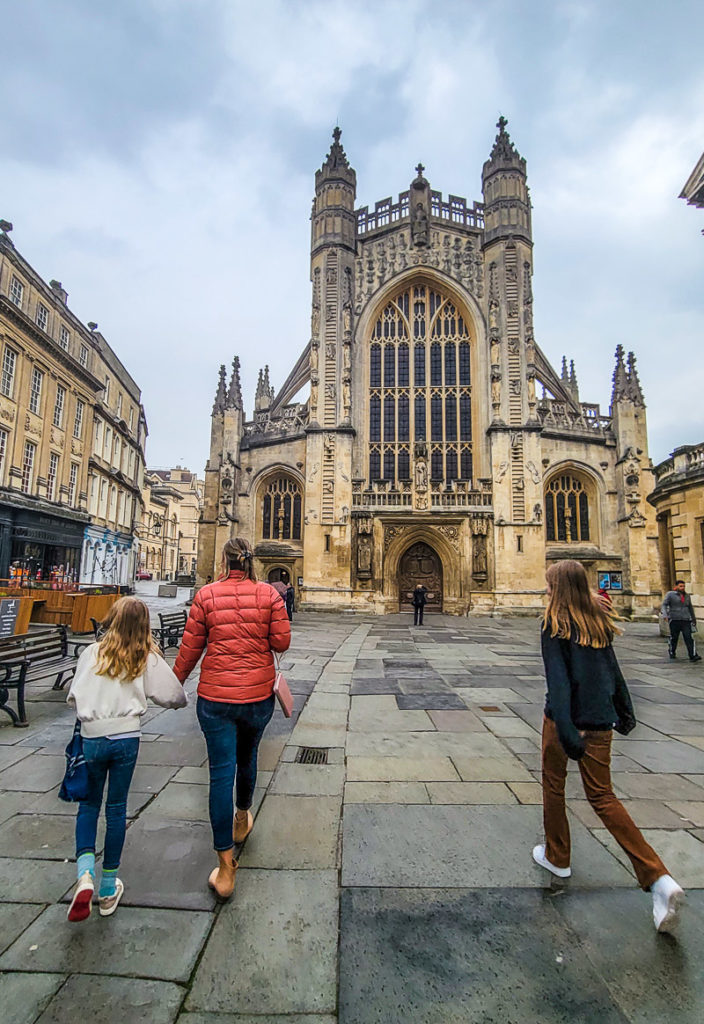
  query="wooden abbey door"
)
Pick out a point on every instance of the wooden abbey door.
point(420, 564)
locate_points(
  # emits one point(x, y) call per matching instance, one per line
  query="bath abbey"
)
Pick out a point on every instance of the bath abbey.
point(437, 444)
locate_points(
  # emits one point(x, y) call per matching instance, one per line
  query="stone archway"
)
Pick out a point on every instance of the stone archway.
point(278, 574)
point(420, 563)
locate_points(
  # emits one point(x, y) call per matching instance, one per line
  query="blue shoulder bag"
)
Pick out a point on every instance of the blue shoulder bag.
point(76, 783)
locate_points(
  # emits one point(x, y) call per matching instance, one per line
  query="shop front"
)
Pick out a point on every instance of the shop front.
point(38, 545)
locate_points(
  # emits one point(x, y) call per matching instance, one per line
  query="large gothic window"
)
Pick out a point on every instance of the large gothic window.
point(566, 509)
point(420, 387)
point(281, 510)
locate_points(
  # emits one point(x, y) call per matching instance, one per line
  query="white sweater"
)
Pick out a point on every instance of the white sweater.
point(107, 706)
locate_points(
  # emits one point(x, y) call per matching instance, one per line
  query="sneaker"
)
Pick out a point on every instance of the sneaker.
point(107, 905)
point(668, 897)
point(697, 657)
point(540, 858)
point(244, 823)
point(673, 657)
point(82, 902)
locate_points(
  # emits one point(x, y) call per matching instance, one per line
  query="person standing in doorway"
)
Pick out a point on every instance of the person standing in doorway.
point(677, 609)
point(289, 599)
point(419, 600)
point(240, 623)
point(587, 698)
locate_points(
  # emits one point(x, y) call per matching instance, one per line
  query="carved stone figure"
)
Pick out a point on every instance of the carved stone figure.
point(346, 398)
point(364, 555)
point(347, 319)
point(419, 227)
point(329, 349)
point(501, 473)
point(315, 322)
point(496, 391)
point(314, 356)
point(495, 351)
point(421, 475)
point(534, 471)
point(479, 555)
point(346, 356)
point(330, 391)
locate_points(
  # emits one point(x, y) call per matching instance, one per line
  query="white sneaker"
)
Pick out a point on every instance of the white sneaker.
point(540, 858)
point(107, 905)
point(668, 897)
point(82, 902)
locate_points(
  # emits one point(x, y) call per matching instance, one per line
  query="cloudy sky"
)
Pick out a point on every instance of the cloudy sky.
point(158, 156)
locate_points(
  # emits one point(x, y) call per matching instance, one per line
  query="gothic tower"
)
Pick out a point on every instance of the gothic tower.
point(329, 431)
point(219, 518)
point(514, 429)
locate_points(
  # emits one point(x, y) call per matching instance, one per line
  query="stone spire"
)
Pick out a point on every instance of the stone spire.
point(265, 392)
point(336, 165)
point(564, 375)
point(620, 386)
point(234, 392)
point(633, 389)
point(220, 394)
point(504, 153)
point(574, 386)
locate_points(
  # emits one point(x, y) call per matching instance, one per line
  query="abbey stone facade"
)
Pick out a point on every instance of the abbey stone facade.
point(437, 445)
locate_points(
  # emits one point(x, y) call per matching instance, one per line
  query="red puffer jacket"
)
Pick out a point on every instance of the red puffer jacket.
point(241, 623)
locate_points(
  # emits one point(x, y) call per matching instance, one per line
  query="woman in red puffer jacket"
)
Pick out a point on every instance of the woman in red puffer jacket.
point(239, 622)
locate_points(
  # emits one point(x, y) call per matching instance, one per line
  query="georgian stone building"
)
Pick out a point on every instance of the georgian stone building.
point(437, 443)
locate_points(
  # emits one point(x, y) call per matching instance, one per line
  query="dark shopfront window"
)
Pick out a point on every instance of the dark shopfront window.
point(43, 563)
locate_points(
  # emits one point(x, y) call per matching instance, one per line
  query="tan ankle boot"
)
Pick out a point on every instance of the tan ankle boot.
point(222, 878)
point(244, 822)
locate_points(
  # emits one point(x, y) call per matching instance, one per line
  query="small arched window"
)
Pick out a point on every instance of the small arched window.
point(281, 510)
point(567, 509)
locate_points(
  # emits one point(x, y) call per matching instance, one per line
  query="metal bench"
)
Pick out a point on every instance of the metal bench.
point(171, 628)
point(33, 656)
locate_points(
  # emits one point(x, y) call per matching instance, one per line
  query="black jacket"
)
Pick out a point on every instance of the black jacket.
point(419, 597)
point(586, 690)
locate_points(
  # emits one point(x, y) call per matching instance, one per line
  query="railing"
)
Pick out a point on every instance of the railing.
point(459, 499)
point(458, 496)
point(454, 210)
point(382, 499)
point(689, 459)
point(560, 414)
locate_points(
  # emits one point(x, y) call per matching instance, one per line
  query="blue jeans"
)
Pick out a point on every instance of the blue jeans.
point(114, 760)
point(232, 735)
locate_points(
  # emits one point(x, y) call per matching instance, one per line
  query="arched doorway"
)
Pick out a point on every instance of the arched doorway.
point(279, 575)
point(420, 564)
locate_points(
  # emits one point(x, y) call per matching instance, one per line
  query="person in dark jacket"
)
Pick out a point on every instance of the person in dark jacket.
point(419, 599)
point(240, 623)
point(289, 599)
point(677, 609)
point(587, 698)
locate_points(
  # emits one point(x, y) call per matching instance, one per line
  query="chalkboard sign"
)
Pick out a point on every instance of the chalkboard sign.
point(9, 610)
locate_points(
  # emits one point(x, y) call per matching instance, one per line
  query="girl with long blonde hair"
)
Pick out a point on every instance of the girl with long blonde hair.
point(587, 698)
point(113, 681)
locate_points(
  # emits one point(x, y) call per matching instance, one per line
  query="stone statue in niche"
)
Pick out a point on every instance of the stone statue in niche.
point(515, 387)
point(315, 322)
point(331, 311)
point(531, 391)
point(329, 444)
point(421, 475)
point(330, 391)
point(364, 555)
point(314, 356)
point(346, 356)
point(313, 393)
point(496, 391)
point(446, 255)
point(479, 555)
point(329, 349)
point(331, 275)
point(346, 398)
point(347, 319)
point(419, 227)
point(493, 315)
point(538, 513)
point(495, 351)
point(402, 253)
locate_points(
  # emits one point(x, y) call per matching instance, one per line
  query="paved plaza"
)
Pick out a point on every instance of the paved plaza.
point(393, 883)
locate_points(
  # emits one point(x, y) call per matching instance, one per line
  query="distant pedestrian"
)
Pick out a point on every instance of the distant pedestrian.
point(290, 598)
point(114, 678)
point(677, 609)
point(419, 600)
point(587, 697)
point(605, 598)
point(240, 622)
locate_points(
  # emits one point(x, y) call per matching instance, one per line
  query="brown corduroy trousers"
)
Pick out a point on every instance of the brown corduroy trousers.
point(595, 769)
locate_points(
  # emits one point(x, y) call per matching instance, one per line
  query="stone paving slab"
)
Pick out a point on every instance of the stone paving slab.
point(185, 752)
point(14, 918)
point(280, 932)
point(34, 881)
point(667, 756)
point(386, 793)
point(104, 1000)
point(492, 769)
point(309, 780)
point(37, 773)
point(268, 1018)
point(463, 957)
point(447, 701)
point(294, 832)
point(400, 769)
point(655, 786)
point(645, 813)
point(470, 793)
point(42, 836)
point(461, 847)
point(12, 803)
point(160, 944)
point(23, 996)
point(653, 979)
point(682, 854)
point(166, 863)
point(424, 745)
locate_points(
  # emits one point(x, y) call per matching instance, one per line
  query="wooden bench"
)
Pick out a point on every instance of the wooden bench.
point(171, 629)
point(33, 656)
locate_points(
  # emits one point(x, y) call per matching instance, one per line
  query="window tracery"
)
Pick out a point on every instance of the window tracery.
point(420, 334)
point(281, 510)
point(567, 509)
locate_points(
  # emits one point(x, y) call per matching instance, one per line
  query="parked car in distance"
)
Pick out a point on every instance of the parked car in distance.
point(142, 574)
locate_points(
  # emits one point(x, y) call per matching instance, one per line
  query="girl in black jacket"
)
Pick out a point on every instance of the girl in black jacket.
point(587, 697)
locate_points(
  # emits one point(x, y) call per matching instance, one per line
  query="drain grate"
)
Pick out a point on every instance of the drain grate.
point(312, 755)
point(488, 707)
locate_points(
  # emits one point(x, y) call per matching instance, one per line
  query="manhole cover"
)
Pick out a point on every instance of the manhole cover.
point(312, 755)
